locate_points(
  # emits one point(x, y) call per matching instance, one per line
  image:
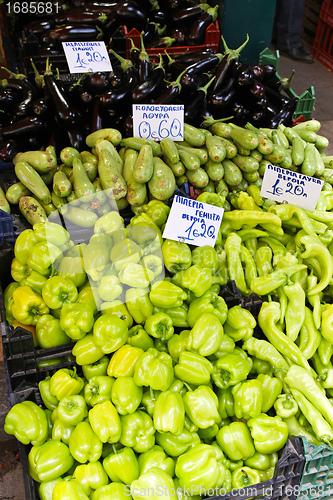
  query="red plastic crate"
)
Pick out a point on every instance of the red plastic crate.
point(322, 49)
point(326, 13)
point(212, 41)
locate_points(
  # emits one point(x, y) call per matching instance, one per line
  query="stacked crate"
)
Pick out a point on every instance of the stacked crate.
point(322, 48)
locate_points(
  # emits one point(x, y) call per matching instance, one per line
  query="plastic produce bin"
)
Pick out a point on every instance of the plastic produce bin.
point(317, 478)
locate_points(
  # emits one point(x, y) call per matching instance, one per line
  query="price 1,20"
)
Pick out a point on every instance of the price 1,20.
point(160, 130)
point(92, 57)
point(199, 230)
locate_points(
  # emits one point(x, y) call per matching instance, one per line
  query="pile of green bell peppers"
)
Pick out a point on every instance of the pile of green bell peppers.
point(172, 389)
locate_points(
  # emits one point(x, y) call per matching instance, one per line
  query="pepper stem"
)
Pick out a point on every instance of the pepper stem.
point(115, 451)
point(188, 387)
point(124, 63)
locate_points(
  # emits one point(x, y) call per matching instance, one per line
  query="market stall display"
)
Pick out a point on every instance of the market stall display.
point(135, 362)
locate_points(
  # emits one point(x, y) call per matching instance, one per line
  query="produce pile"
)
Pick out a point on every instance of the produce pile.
point(218, 162)
point(172, 387)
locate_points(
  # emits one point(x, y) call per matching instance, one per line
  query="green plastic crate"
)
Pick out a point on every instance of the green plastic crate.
point(306, 101)
point(317, 478)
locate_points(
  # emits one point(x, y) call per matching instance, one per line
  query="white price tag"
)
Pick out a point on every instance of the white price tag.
point(193, 222)
point(295, 188)
point(84, 57)
point(158, 121)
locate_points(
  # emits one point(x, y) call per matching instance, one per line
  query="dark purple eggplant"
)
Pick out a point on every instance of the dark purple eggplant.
point(195, 56)
point(171, 93)
point(8, 150)
point(111, 25)
point(206, 64)
point(145, 64)
point(196, 35)
point(257, 90)
point(275, 97)
point(38, 27)
point(148, 89)
point(116, 77)
point(240, 113)
point(97, 116)
point(227, 65)
point(64, 110)
point(179, 35)
point(97, 82)
point(258, 117)
point(129, 13)
point(128, 125)
point(100, 6)
point(258, 72)
point(186, 16)
point(71, 33)
point(284, 115)
point(26, 127)
point(24, 90)
point(269, 73)
point(115, 98)
point(7, 100)
point(160, 17)
point(74, 16)
point(134, 53)
point(245, 76)
point(193, 110)
point(222, 100)
point(43, 106)
point(76, 137)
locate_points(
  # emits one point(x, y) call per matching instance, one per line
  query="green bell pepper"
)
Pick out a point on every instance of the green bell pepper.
point(197, 279)
point(235, 441)
point(193, 368)
point(156, 458)
point(84, 444)
point(269, 433)
point(165, 294)
point(177, 445)
point(76, 320)
point(105, 422)
point(126, 395)
point(159, 325)
point(206, 335)
point(226, 403)
point(98, 389)
point(65, 382)
point(23, 243)
point(244, 477)
point(169, 412)
point(152, 483)
point(53, 459)
point(178, 315)
point(154, 369)
point(158, 211)
point(176, 255)
point(86, 351)
point(96, 369)
point(138, 337)
point(262, 461)
point(231, 368)
point(272, 388)
point(51, 232)
point(89, 295)
point(46, 488)
point(123, 360)
point(248, 398)
point(201, 467)
point(240, 323)
point(116, 491)
point(42, 255)
point(49, 333)
point(95, 259)
point(201, 406)
point(285, 406)
point(72, 268)
point(110, 332)
point(138, 304)
point(69, 490)
point(206, 256)
point(178, 343)
point(59, 291)
point(26, 305)
point(124, 252)
point(27, 422)
point(72, 409)
point(137, 431)
point(62, 431)
point(90, 476)
point(122, 466)
point(50, 401)
point(118, 308)
point(209, 302)
point(136, 275)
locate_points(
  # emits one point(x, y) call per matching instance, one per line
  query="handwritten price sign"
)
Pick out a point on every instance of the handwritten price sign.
point(83, 57)
point(282, 185)
point(193, 222)
point(158, 121)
